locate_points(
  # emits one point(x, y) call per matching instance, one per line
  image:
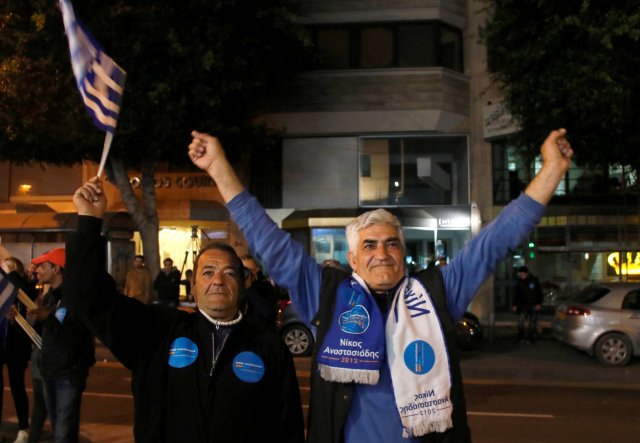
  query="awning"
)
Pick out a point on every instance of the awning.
point(58, 222)
point(116, 219)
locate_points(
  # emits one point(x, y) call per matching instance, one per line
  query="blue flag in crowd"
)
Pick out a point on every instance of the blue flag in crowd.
point(100, 80)
point(8, 294)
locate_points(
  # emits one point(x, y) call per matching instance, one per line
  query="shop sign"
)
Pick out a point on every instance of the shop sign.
point(182, 181)
point(497, 121)
point(631, 266)
point(454, 222)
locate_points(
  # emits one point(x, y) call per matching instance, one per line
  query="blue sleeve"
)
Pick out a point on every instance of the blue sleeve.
point(286, 260)
point(478, 259)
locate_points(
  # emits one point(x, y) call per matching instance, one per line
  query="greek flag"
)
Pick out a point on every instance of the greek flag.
point(100, 80)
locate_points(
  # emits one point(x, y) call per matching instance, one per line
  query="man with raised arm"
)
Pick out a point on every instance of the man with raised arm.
point(385, 368)
point(208, 376)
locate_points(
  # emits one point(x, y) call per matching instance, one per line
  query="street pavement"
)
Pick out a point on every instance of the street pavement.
point(503, 359)
point(500, 360)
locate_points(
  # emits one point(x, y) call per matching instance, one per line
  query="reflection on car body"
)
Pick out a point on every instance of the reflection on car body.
point(602, 319)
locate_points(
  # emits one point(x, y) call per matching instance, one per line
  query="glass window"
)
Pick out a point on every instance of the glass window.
point(365, 165)
point(389, 45)
point(376, 47)
point(416, 45)
point(450, 48)
point(632, 300)
point(410, 171)
point(333, 45)
point(329, 243)
point(511, 173)
point(551, 237)
point(590, 294)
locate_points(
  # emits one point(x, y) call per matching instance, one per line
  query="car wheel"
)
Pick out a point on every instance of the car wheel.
point(298, 339)
point(613, 349)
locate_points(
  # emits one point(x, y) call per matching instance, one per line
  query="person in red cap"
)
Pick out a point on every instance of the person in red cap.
point(68, 350)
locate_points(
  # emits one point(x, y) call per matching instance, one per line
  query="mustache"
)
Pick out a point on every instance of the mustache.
point(217, 289)
point(385, 262)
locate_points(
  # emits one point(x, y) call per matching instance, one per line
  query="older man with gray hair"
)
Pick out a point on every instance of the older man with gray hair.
point(384, 370)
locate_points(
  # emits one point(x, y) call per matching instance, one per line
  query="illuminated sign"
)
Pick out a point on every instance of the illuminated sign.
point(454, 222)
point(181, 181)
point(631, 266)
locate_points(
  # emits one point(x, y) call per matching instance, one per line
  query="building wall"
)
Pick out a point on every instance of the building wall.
point(341, 11)
point(380, 90)
point(480, 93)
point(320, 172)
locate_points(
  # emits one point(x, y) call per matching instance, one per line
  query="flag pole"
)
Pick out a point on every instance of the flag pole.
point(25, 300)
point(28, 329)
point(105, 151)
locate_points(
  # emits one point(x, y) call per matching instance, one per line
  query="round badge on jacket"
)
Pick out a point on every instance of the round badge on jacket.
point(248, 367)
point(183, 352)
point(61, 313)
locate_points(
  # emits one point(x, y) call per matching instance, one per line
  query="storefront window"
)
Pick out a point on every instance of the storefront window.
point(566, 259)
point(182, 245)
point(329, 244)
point(424, 247)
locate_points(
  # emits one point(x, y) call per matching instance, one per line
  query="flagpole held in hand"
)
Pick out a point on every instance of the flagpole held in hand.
point(108, 138)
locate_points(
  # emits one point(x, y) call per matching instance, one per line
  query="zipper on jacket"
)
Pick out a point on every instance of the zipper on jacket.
point(213, 343)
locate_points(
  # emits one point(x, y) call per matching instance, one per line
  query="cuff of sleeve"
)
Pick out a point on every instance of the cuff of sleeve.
point(90, 224)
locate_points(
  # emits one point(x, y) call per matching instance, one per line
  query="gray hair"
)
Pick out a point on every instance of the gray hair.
point(370, 218)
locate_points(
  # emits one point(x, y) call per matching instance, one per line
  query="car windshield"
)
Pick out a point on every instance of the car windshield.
point(590, 294)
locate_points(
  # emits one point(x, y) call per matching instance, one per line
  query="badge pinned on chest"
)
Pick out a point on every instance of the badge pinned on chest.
point(248, 367)
point(183, 352)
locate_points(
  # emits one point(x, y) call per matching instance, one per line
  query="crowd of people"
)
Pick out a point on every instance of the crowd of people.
point(220, 372)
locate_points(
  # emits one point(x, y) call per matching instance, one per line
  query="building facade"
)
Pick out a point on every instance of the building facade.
point(401, 114)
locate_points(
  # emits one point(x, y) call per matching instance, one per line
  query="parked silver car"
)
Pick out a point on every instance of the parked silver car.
point(602, 319)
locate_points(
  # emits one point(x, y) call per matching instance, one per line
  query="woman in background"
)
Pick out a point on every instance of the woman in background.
point(15, 346)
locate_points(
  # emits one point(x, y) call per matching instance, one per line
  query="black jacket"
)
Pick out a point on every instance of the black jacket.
point(528, 293)
point(249, 394)
point(68, 348)
point(168, 286)
point(330, 402)
point(17, 346)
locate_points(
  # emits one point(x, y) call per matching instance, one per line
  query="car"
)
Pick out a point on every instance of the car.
point(602, 319)
point(469, 335)
point(300, 339)
point(295, 333)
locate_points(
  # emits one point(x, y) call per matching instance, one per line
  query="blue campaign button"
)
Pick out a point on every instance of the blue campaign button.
point(248, 367)
point(419, 357)
point(61, 313)
point(183, 352)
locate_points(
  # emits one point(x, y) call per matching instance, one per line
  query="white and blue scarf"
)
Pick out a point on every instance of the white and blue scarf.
point(412, 341)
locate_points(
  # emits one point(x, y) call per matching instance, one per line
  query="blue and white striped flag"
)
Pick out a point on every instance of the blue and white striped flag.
point(100, 80)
